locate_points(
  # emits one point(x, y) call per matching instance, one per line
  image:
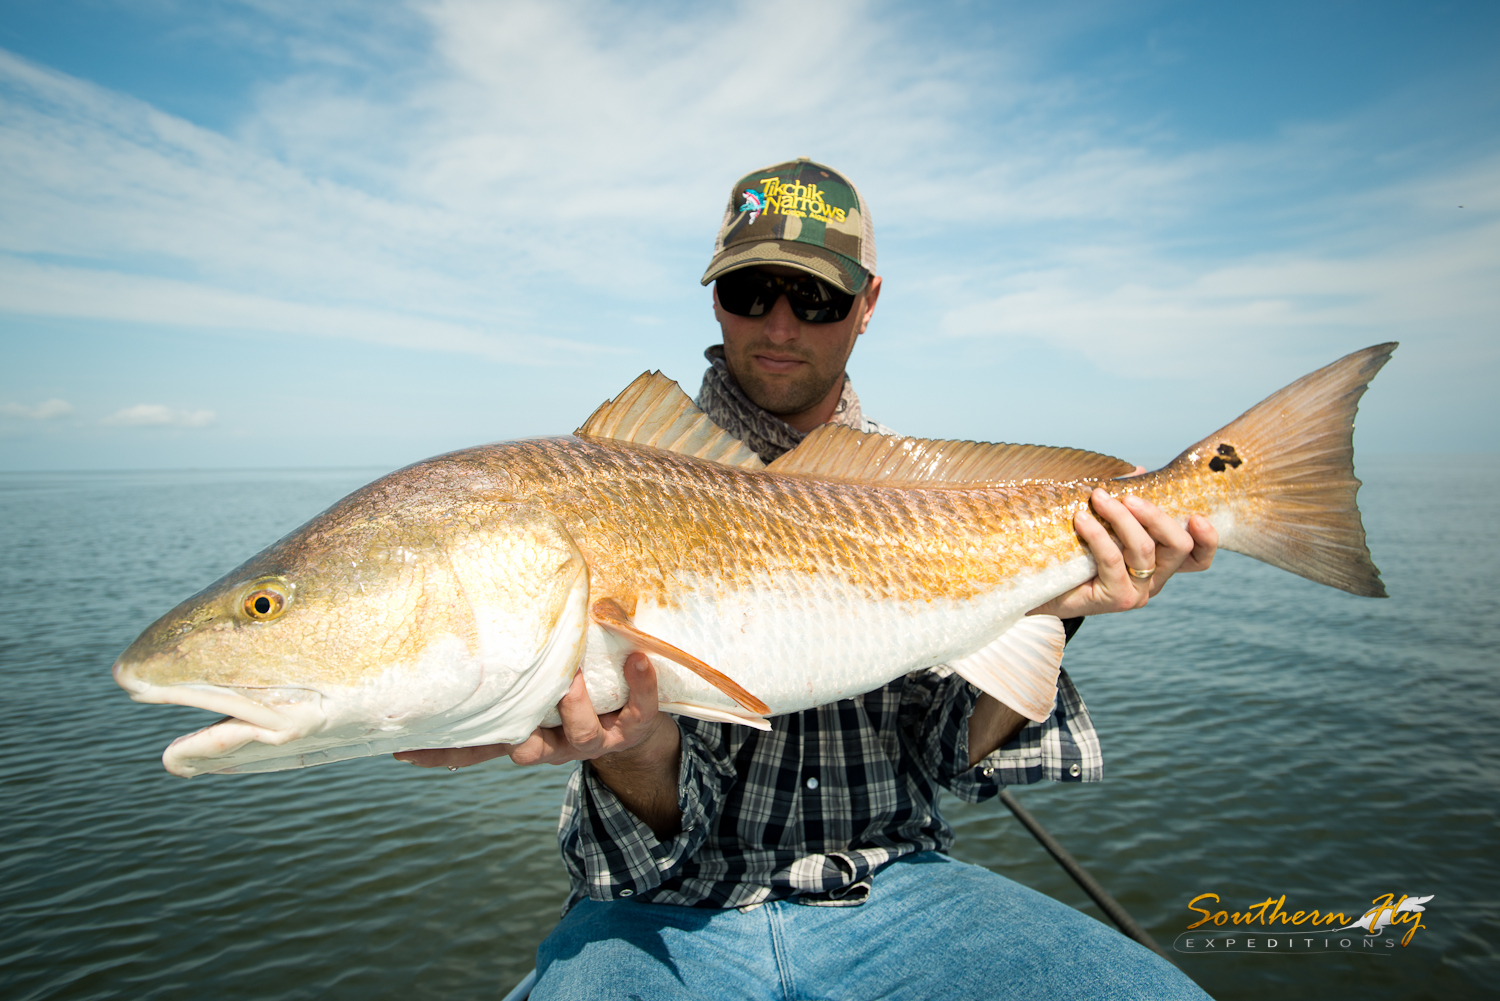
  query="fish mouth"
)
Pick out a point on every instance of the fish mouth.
point(262, 715)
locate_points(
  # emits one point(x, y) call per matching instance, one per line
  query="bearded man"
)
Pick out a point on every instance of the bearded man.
point(713, 860)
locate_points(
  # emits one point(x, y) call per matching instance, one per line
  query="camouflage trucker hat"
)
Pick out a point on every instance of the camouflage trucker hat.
point(801, 214)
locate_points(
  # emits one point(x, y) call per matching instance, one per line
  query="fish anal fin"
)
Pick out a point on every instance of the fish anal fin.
point(837, 452)
point(607, 614)
point(715, 715)
point(1020, 666)
point(653, 410)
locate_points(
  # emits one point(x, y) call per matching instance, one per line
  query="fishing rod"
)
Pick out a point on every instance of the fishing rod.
point(1090, 885)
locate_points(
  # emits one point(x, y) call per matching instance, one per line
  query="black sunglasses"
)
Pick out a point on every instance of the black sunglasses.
point(748, 292)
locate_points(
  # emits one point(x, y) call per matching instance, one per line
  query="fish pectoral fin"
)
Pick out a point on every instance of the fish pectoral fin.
point(607, 614)
point(1020, 666)
point(715, 715)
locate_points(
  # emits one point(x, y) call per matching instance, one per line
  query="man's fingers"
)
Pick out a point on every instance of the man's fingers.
point(1145, 538)
point(1173, 543)
point(545, 746)
point(1096, 537)
point(583, 733)
point(1163, 529)
point(1109, 562)
point(1112, 589)
point(1179, 548)
point(641, 705)
point(453, 757)
point(1205, 543)
point(580, 724)
point(1136, 544)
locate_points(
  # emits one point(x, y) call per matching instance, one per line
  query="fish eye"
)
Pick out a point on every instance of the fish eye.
point(265, 603)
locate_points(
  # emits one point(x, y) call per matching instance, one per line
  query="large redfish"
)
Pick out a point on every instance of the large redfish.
point(451, 602)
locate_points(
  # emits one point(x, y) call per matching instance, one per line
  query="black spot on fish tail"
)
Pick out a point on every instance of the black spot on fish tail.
point(1226, 457)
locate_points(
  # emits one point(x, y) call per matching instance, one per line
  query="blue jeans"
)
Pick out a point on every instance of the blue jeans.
point(932, 928)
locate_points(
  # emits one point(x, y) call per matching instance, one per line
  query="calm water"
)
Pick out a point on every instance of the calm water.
point(1263, 735)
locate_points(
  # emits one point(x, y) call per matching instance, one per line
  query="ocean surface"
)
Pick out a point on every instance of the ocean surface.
point(1263, 736)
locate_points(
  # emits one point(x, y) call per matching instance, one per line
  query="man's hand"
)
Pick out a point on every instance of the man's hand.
point(583, 734)
point(635, 749)
point(1148, 539)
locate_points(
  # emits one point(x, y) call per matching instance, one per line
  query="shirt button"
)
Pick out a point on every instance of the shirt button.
point(1074, 770)
point(987, 771)
point(627, 892)
point(812, 782)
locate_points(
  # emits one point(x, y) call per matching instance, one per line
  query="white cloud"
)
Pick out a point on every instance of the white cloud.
point(537, 147)
point(538, 154)
point(44, 411)
point(54, 290)
point(1146, 315)
point(156, 415)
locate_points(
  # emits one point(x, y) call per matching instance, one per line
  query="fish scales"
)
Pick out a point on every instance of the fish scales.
point(736, 526)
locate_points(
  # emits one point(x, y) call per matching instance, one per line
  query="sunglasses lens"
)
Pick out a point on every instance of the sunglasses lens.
point(815, 301)
point(753, 293)
point(746, 293)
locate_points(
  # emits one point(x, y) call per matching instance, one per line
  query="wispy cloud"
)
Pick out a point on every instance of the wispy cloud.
point(156, 415)
point(1159, 317)
point(35, 289)
point(45, 411)
point(536, 146)
point(512, 180)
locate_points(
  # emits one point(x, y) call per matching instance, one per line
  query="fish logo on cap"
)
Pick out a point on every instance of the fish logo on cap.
point(755, 203)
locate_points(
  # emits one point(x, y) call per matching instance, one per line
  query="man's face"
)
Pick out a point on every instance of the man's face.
point(788, 367)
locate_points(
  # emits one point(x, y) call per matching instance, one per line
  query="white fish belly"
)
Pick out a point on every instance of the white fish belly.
point(797, 643)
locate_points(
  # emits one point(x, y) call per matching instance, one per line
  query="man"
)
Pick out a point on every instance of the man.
point(712, 860)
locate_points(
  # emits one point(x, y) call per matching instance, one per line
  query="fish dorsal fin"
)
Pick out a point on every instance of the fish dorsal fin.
point(841, 453)
point(653, 410)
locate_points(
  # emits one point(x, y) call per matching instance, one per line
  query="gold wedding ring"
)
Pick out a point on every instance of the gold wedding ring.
point(1141, 574)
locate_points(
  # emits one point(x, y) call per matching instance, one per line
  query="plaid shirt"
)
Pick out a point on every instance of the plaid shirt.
point(814, 807)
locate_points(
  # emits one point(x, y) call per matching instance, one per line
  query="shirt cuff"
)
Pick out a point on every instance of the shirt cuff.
point(1064, 748)
point(620, 856)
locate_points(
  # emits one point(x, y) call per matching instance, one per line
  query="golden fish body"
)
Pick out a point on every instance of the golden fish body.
point(451, 602)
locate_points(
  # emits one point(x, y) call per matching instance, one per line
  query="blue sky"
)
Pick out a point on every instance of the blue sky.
point(271, 233)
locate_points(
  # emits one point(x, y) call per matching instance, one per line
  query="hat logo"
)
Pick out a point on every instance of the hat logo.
point(755, 204)
point(805, 200)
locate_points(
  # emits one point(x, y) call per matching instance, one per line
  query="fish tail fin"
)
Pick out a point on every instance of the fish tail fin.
point(1294, 505)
